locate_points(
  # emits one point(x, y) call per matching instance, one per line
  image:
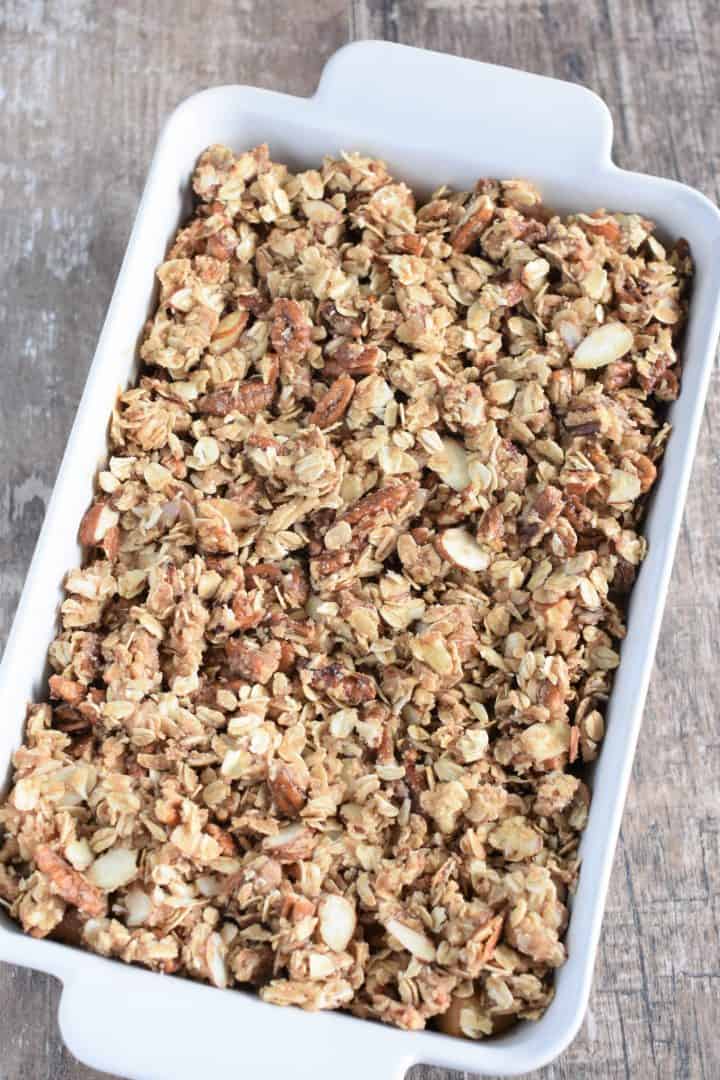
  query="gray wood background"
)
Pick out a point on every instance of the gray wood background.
point(84, 87)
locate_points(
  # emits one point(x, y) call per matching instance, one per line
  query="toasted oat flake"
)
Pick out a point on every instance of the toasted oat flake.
point(353, 592)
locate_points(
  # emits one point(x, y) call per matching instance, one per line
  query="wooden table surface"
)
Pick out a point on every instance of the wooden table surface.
point(84, 88)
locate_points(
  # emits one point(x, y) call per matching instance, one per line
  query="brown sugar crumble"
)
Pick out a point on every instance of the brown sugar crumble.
point(355, 581)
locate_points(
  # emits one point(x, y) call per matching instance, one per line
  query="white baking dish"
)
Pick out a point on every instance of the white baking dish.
point(434, 118)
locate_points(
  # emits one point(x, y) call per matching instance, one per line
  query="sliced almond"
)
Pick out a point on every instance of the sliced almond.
point(459, 547)
point(98, 520)
point(451, 464)
point(570, 333)
point(595, 283)
point(205, 454)
point(667, 310)
point(602, 346)
point(291, 844)
point(534, 273)
point(320, 966)
point(138, 906)
point(228, 331)
point(215, 953)
point(79, 855)
point(415, 942)
point(337, 922)
point(114, 869)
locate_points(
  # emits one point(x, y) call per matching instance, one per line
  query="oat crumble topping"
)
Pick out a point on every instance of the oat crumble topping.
point(355, 581)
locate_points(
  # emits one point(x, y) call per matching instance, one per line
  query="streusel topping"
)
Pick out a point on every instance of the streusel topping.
point(354, 591)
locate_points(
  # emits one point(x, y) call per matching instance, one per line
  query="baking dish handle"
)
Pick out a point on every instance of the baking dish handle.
point(447, 100)
point(126, 1024)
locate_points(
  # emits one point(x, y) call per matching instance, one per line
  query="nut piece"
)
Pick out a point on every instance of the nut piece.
point(459, 547)
point(216, 953)
point(98, 521)
point(249, 399)
point(138, 906)
point(349, 687)
point(332, 406)
point(602, 346)
point(477, 216)
point(290, 330)
point(416, 943)
point(296, 842)
point(67, 689)
point(114, 869)
point(337, 922)
point(451, 464)
point(228, 331)
point(288, 789)
point(352, 359)
point(69, 884)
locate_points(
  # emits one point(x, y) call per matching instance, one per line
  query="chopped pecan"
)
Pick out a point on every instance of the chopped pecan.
point(344, 325)
point(387, 499)
point(68, 883)
point(475, 219)
point(290, 331)
point(352, 359)
point(249, 399)
point(253, 662)
point(251, 965)
point(541, 515)
point(288, 789)
point(295, 587)
point(287, 657)
point(598, 225)
point(333, 404)
point(347, 687)
point(491, 527)
point(624, 576)
point(246, 609)
point(408, 244)
point(224, 839)
point(67, 689)
point(326, 563)
point(260, 572)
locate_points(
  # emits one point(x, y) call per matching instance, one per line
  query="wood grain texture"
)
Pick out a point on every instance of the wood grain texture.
point(83, 90)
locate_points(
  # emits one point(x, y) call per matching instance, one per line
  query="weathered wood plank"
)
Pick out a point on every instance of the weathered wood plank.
point(84, 88)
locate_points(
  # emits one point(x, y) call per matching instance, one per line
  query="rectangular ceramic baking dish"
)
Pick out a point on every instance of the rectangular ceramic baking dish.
point(434, 118)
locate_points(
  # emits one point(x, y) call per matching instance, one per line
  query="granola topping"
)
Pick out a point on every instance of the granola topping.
point(353, 596)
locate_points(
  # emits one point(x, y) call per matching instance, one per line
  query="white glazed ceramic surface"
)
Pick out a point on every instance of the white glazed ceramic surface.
point(434, 119)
